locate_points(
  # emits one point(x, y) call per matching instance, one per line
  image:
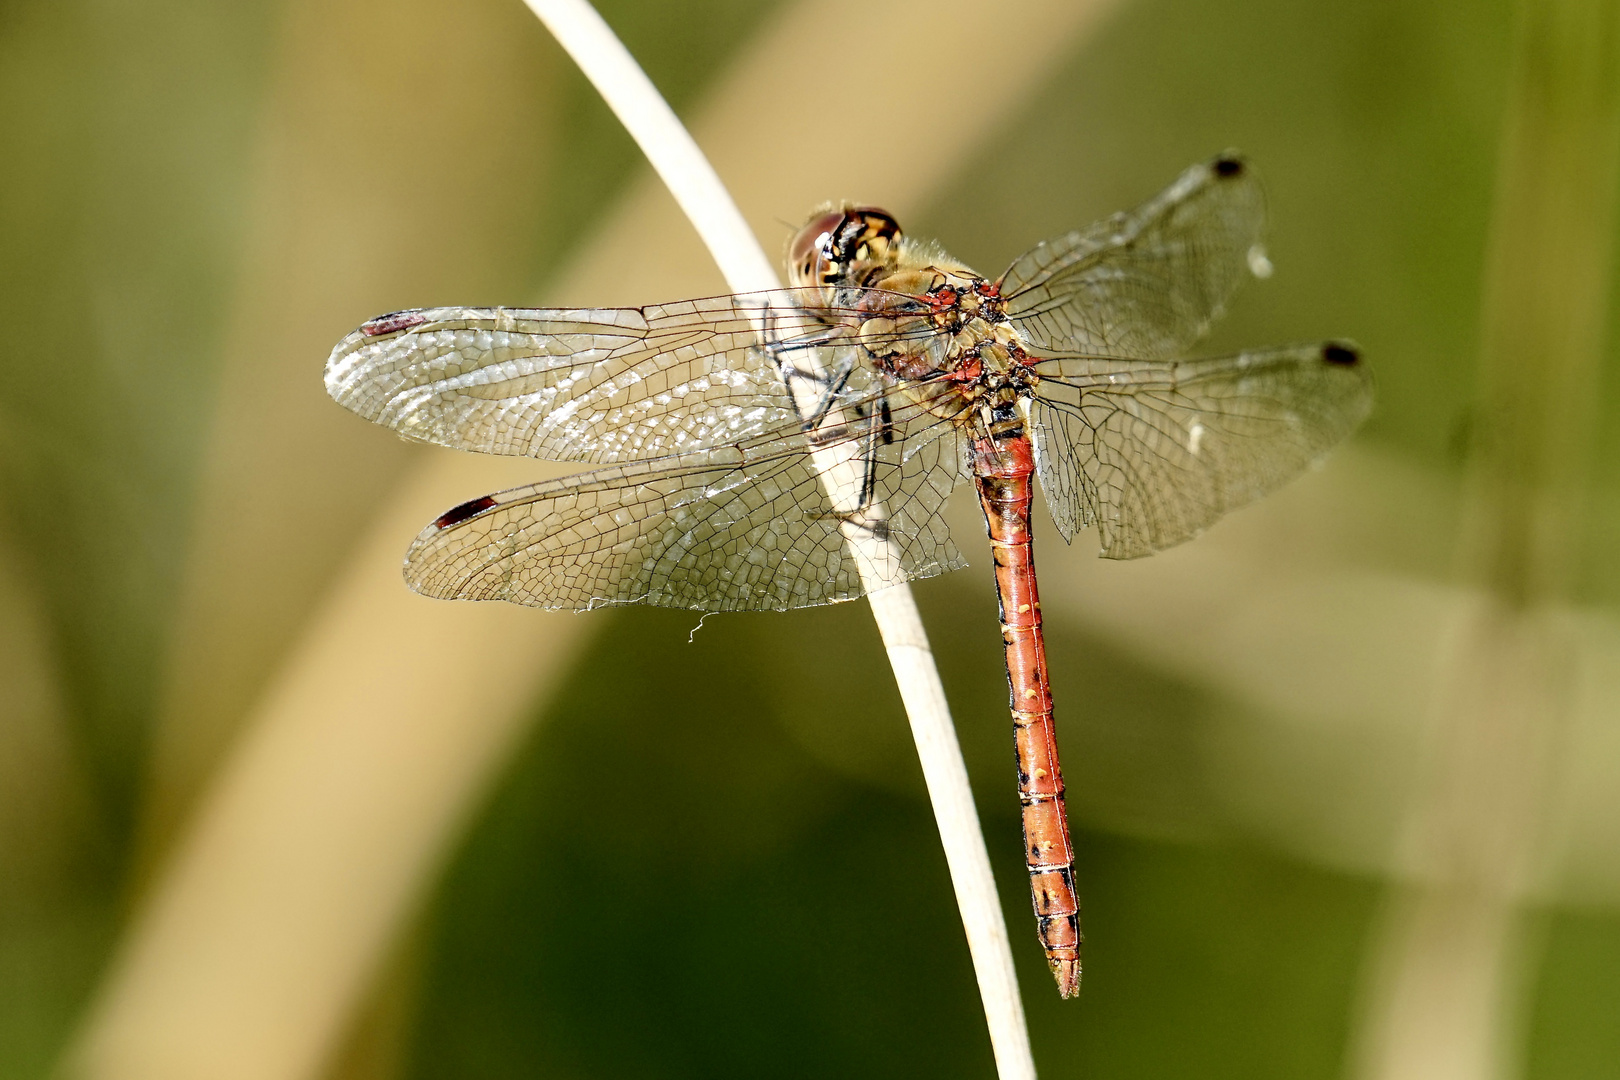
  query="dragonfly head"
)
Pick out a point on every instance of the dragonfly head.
point(851, 245)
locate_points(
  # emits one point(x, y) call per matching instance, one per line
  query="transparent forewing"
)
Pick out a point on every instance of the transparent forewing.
point(732, 528)
point(599, 385)
point(1154, 452)
point(1144, 284)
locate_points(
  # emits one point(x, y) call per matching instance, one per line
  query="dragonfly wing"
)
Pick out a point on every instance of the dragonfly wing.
point(729, 529)
point(1155, 452)
point(599, 385)
point(1145, 283)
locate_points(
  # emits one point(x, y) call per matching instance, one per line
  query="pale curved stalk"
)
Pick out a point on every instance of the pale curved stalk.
point(704, 199)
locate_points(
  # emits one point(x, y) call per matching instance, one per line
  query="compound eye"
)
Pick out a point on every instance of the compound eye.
point(866, 244)
point(810, 248)
point(876, 224)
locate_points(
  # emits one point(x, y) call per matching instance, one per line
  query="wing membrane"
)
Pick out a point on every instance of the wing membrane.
point(1154, 453)
point(599, 385)
point(1144, 284)
point(746, 527)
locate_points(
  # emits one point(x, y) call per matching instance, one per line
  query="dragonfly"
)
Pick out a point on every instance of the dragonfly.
point(793, 447)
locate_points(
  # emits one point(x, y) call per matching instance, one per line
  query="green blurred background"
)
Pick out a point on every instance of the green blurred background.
point(753, 885)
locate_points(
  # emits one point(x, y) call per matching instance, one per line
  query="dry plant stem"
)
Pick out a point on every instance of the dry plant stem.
point(698, 190)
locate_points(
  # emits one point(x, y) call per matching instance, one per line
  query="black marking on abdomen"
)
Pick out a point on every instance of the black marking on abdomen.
point(469, 509)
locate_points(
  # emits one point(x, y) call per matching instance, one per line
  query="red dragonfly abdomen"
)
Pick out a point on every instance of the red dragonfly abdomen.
point(1003, 467)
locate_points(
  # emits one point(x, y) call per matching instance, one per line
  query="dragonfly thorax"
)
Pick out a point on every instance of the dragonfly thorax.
point(919, 314)
point(932, 320)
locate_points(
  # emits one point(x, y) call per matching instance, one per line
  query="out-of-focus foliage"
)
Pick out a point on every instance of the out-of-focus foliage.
point(751, 883)
point(730, 902)
point(127, 135)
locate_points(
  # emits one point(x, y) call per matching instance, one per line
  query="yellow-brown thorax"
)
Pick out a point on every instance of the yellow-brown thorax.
point(930, 315)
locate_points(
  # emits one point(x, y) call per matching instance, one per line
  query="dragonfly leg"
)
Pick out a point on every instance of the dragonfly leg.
point(832, 384)
point(869, 459)
point(871, 428)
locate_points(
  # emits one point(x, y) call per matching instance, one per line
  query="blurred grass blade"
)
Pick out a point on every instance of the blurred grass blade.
point(1545, 317)
point(1455, 952)
point(340, 217)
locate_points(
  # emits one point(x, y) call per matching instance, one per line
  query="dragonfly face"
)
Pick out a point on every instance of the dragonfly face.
point(718, 425)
